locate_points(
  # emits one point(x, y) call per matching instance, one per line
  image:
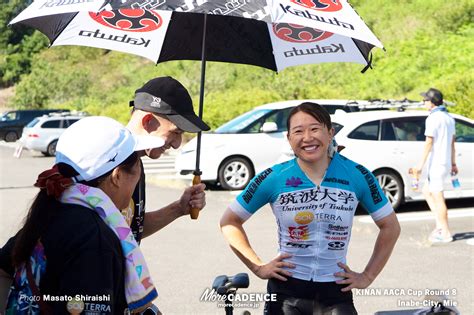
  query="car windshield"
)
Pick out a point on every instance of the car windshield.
point(8, 116)
point(242, 121)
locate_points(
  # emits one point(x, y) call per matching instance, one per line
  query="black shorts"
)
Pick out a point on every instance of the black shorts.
point(307, 297)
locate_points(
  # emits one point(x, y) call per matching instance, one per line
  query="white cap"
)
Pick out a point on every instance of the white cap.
point(96, 145)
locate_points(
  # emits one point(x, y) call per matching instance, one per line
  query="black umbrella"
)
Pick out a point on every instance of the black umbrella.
point(257, 33)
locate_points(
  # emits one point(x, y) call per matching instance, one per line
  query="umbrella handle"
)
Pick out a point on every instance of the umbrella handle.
point(194, 213)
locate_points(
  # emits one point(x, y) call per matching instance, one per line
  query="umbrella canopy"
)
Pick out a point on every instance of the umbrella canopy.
point(275, 40)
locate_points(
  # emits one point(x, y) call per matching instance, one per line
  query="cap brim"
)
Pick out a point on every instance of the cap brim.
point(147, 142)
point(424, 94)
point(188, 123)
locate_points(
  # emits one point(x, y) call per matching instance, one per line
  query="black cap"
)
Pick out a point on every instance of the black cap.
point(434, 96)
point(168, 97)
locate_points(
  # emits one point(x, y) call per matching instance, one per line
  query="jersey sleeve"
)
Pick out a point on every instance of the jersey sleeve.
point(255, 195)
point(370, 194)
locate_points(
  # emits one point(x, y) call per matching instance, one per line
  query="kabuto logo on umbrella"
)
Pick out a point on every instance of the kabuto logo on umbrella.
point(131, 20)
point(299, 34)
point(321, 5)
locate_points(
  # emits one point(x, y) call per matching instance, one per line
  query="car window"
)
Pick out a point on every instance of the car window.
point(9, 116)
point(50, 124)
point(237, 124)
point(464, 131)
point(32, 123)
point(403, 129)
point(336, 127)
point(279, 117)
point(367, 131)
point(69, 122)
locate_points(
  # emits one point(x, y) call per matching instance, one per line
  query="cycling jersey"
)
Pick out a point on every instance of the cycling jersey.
point(314, 222)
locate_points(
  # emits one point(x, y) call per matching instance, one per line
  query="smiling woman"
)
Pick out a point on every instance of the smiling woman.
point(314, 198)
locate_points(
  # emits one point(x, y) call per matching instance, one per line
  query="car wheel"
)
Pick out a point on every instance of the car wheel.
point(11, 136)
point(51, 151)
point(235, 173)
point(392, 186)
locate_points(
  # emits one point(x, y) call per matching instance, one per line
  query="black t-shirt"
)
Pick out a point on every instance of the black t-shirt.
point(83, 256)
point(136, 211)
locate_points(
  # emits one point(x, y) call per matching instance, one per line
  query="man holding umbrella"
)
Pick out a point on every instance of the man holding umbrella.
point(162, 108)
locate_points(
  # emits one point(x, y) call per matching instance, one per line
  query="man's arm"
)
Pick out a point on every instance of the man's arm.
point(454, 167)
point(386, 239)
point(192, 197)
point(426, 151)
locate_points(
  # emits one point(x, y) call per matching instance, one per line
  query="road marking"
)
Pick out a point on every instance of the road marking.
point(424, 216)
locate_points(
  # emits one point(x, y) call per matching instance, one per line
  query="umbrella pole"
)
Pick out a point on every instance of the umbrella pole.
point(194, 213)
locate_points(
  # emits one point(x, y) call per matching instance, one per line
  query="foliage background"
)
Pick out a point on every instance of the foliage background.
point(429, 43)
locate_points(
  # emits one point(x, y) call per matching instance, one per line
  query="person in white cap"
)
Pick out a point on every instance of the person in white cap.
point(162, 107)
point(74, 241)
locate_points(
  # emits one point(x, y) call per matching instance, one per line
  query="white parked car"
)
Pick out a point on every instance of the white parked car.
point(388, 143)
point(246, 145)
point(42, 133)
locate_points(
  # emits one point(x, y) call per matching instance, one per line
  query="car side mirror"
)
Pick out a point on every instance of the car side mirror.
point(269, 127)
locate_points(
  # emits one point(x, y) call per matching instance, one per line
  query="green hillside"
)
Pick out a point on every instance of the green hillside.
point(429, 43)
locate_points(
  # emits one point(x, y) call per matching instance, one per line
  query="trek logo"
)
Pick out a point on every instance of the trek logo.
point(320, 5)
point(129, 20)
point(336, 245)
point(296, 245)
point(299, 233)
point(299, 34)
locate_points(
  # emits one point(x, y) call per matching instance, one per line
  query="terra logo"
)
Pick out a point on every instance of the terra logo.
point(320, 5)
point(299, 34)
point(130, 20)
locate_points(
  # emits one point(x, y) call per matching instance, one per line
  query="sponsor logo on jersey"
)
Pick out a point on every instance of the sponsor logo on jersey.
point(372, 184)
point(293, 182)
point(254, 184)
point(335, 233)
point(298, 245)
point(338, 227)
point(336, 180)
point(336, 245)
point(336, 238)
point(299, 233)
point(304, 217)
